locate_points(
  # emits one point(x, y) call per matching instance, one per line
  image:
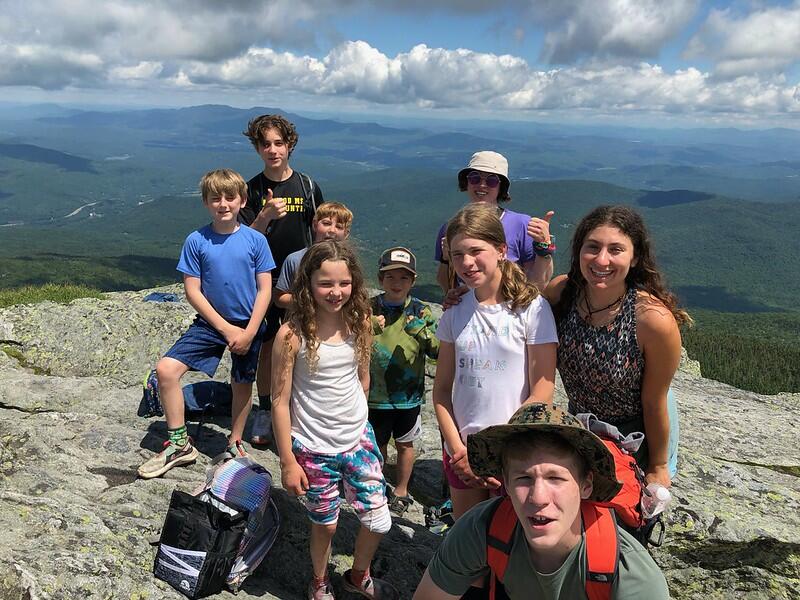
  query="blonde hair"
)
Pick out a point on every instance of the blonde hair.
point(302, 315)
point(335, 210)
point(482, 223)
point(223, 182)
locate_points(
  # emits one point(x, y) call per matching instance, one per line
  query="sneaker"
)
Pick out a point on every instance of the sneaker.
point(322, 592)
point(371, 587)
point(398, 505)
point(170, 456)
point(262, 428)
point(438, 519)
point(237, 449)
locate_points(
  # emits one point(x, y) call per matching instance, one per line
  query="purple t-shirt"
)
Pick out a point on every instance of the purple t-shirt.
point(515, 225)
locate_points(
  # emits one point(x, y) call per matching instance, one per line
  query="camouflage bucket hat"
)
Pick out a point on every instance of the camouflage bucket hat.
point(485, 448)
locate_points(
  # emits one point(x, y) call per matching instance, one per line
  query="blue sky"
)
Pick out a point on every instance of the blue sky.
point(635, 61)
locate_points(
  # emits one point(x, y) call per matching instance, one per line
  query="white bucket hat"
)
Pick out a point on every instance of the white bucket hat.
point(488, 162)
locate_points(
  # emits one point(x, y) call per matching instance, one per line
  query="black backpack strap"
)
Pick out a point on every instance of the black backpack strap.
point(310, 203)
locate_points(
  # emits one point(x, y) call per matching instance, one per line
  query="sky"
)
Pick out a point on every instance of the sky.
point(708, 63)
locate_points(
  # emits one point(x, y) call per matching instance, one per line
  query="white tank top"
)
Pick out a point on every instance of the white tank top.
point(329, 409)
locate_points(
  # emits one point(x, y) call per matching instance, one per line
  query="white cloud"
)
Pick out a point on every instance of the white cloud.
point(190, 47)
point(134, 30)
point(47, 68)
point(440, 78)
point(766, 40)
point(143, 70)
point(609, 28)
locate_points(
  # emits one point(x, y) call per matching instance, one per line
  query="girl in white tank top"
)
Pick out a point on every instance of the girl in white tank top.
point(320, 382)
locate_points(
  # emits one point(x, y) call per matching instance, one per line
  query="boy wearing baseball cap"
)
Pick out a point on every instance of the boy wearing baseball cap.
point(404, 330)
point(549, 464)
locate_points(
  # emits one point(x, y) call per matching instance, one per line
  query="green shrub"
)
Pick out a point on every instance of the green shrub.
point(62, 294)
point(765, 366)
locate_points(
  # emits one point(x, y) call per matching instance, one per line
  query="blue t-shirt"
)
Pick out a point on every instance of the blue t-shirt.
point(227, 265)
point(288, 270)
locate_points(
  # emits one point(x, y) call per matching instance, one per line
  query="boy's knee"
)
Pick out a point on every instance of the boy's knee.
point(377, 520)
point(404, 446)
point(169, 370)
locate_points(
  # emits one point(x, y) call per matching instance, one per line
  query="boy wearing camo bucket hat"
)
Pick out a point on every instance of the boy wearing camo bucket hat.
point(549, 464)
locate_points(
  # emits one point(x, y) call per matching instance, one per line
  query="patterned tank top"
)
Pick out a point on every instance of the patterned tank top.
point(602, 367)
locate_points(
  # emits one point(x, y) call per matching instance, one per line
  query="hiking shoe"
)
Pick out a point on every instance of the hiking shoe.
point(170, 456)
point(322, 592)
point(262, 428)
point(372, 587)
point(236, 449)
point(438, 519)
point(398, 505)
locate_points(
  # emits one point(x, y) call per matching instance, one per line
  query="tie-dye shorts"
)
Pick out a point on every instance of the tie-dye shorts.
point(360, 469)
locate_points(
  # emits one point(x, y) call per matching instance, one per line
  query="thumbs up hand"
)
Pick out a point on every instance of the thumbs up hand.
point(273, 208)
point(539, 229)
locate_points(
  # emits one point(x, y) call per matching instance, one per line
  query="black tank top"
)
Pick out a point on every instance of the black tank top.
point(602, 367)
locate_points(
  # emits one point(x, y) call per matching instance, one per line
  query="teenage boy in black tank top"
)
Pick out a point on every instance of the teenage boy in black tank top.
point(281, 203)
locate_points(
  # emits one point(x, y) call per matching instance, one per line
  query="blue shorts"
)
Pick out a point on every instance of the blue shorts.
point(202, 347)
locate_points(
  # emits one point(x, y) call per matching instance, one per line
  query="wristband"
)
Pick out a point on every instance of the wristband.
point(545, 248)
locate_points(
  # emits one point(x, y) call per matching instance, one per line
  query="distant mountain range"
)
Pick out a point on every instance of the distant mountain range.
point(82, 189)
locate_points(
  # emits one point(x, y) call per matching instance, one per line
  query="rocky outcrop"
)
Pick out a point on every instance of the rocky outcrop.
point(76, 523)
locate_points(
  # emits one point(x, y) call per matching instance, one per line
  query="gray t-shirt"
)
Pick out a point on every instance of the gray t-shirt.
point(461, 559)
point(289, 268)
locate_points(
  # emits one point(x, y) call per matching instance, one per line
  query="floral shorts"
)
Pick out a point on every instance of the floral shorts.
point(359, 469)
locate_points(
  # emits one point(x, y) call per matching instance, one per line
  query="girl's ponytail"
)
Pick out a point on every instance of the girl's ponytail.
point(481, 222)
point(515, 287)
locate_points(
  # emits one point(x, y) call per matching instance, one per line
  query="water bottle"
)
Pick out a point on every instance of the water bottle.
point(657, 500)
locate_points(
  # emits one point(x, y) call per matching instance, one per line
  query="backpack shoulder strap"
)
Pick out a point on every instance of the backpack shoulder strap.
point(308, 190)
point(602, 550)
point(310, 204)
point(499, 536)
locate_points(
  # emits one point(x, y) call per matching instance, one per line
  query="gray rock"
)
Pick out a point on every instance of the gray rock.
point(76, 523)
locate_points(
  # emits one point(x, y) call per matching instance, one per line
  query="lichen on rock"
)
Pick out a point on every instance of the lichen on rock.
point(76, 523)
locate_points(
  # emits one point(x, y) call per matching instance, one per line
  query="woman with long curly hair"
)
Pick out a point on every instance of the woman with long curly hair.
point(320, 382)
point(497, 348)
point(619, 342)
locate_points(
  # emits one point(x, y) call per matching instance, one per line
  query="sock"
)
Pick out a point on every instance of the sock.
point(357, 577)
point(178, 436)
point(320, 581)
point(265, 402)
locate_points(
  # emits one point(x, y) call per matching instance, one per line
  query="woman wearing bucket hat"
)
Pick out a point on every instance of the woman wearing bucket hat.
point(530, 245)
point(549, 464)
point(619, 342)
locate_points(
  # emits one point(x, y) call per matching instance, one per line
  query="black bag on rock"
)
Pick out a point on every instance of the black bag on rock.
point(198, 544)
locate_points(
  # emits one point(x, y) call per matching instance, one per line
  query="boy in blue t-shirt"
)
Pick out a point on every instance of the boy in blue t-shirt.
point(226, 274)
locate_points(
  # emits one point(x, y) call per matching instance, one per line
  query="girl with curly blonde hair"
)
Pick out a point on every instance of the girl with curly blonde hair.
point(320, 382)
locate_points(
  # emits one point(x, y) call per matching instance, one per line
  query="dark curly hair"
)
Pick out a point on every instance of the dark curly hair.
point(258, 126)
point(644, 275)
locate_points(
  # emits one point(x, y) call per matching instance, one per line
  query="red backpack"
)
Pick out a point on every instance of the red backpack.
point(599, 526)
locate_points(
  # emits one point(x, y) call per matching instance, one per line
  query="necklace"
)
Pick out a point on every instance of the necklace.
point(591, 312)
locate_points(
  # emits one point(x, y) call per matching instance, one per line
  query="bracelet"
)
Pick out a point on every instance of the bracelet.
point(545, 248)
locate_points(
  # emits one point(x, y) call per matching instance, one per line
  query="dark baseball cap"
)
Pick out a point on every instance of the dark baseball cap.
point(398, 258)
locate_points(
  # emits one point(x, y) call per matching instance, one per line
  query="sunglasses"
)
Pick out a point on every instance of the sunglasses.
point(475, 178)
